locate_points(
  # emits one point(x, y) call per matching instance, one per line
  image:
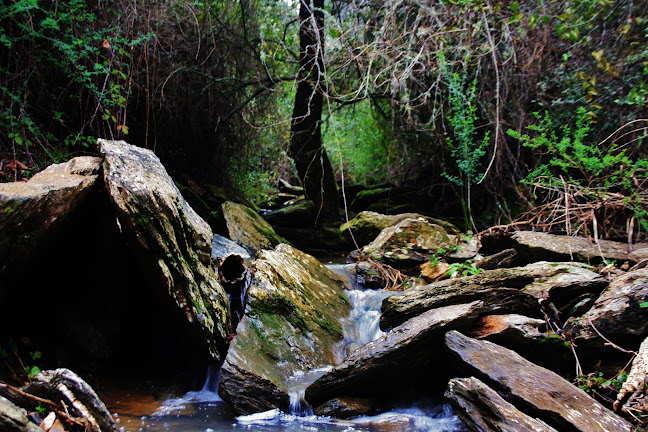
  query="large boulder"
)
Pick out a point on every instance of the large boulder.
point(381, 368)
point(30, 211)
point(484, 410)
point(534, 390)
point(248, 229)
point(519, 290)
point(366, 225)
point(177, 242)
point(618, 315)
point(301, 213)
point(409, 243)
point(290, 328)
point(539, 246)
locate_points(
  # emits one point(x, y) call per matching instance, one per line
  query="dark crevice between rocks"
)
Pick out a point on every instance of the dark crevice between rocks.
point(84, 301)
point(235, 278)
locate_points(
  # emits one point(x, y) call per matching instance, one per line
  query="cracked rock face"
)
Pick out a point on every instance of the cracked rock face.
point(153, 213)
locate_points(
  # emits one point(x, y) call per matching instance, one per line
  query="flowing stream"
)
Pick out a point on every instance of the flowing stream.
point(205, 411)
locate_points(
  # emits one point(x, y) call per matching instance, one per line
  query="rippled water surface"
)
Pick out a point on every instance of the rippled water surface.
point(205, 412)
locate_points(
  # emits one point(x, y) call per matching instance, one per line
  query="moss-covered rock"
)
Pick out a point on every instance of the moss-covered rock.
point(367, 225)
point(299, 214)
point(291, 326)
point(153, 213)
point(248, 229)
point(408, 243)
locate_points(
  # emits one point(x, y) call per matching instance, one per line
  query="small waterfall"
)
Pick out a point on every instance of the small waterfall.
point(213, 377)
point(363, 323)
point(297, 388)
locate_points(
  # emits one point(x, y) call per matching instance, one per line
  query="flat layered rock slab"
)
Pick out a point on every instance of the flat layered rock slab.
point(617, 314)
point(518, 290)
point(368, 368)
point(537, 246)
point(30, 210)
point(484, 410)
point(399, 308)
point(532, 389)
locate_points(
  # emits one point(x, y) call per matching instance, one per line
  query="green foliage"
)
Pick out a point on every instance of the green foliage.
point(595, 382)
point(461, 269)
point(465, 148)
point(356, 140)
point(572, 160)
point(62, 57)
point(12, 359)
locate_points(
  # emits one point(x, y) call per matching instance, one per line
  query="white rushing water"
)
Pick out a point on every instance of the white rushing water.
point(204, 410)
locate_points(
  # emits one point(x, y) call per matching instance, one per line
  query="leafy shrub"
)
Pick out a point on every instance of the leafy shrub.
point(591, 180)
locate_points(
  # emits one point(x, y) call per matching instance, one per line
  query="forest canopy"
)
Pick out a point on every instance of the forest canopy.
point(511, 108)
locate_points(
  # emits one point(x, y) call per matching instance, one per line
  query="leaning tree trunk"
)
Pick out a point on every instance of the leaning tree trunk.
point(313, 165)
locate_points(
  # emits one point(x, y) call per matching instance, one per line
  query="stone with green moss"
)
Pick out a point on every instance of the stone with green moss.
point(291, 327)
point(248, 229)
point(366, 225)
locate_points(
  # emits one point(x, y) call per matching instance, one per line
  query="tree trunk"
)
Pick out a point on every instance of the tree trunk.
point(313, 166)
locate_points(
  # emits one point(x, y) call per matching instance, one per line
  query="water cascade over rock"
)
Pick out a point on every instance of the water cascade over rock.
point(289, 331)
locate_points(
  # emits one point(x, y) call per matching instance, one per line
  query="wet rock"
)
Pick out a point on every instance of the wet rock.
point(380, 367)
point(617, 314)
point(534, 390)
point(223, 247)
point(317, 241)
point(365, 198)
point(538, 246)
point(291, 327)
point(299, 214)
point(482, 409)
point(345, 407)
point(173, 238)
point(366, 225)
point(248, 229)
point(29, 211)
point(14, 419)
point(369, 275)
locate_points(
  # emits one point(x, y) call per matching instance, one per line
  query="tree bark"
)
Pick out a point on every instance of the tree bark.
point(312, 163)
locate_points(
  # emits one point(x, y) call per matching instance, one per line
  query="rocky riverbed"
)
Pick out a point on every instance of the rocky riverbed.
point(121, 277)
